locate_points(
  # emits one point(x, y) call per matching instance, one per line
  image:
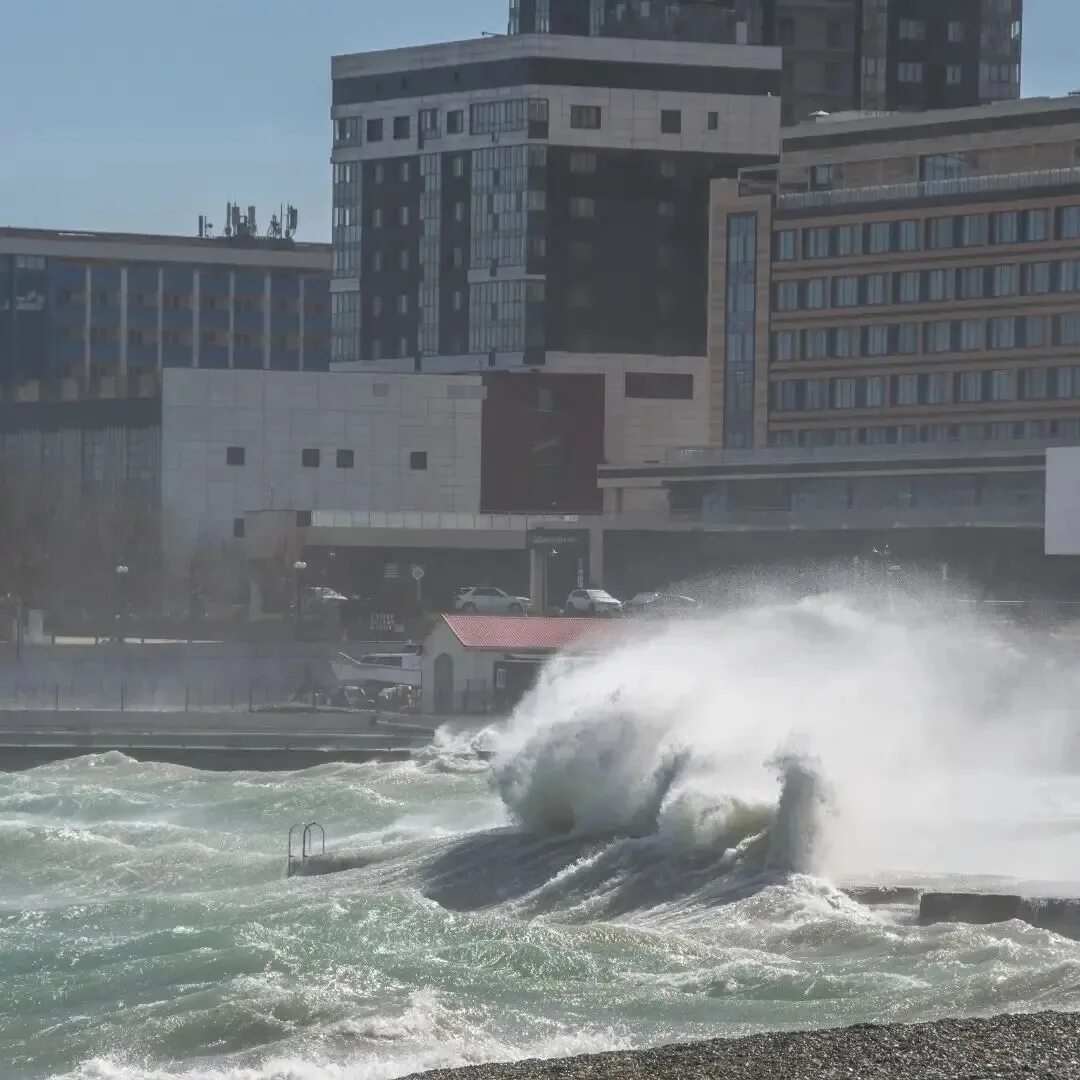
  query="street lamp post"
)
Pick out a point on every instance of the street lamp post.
point(299, 566)
point(122, 572)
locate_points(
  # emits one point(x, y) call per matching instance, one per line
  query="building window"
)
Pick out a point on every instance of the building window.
point(376, 306)
point(418, 460)
point(458, 167)
point(972, 334)
point(658, 385)
point(909, 73)
point(403, 346)
point(974, 230)
point(1037, 278)
point(940, 231)
point(1006, 227)
point(713, 121)
point(938, 337)
point(585, 116)
point(941, 284)
point(309, 458)
point(238, 528)
point(1003, 386)
point(815, 344)
point(1006, 280)
point(846, 342)
point(405, 171)
point(970, 387)
point(877, 289)
point(846, 291)
point(429, 123)
point(403, 260)
point(937, 389)
point(234, 455)
point(843, 393)
point(1069, 223)
point(822, 177)
point(403, 304)
point(880, 238)
point(345, 459)
point(1036, 331)
point(848, 240)
point(1069, 329)
point(787, 296)
point(971, 283)
point(458, 301)
point(1036, 225)
point(954, 74)
point(907, 339)
point(455, 121)
point(912, 30)
point(376, 217)
point(670, 121)
point(787, 245)
point(583, 162)
point(949, 166)
point(1036, 383)
point(582, 207)
point(785, 346)
point(955, 31)
point(906, 390)
point(816, 243)
point(1003, 332)
point(910, 285)
point(875, 391)
point(877, 341)
point(374, 131)
point(402, 127)
point(816, 292)
point(907, 235)
point(403, 215)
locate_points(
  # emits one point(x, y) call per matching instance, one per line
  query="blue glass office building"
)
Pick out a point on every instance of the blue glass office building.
point(88, 306)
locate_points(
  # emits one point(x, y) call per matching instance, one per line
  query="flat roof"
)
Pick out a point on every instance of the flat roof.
point(555, 46)
point(217, 243)
point(845, 129)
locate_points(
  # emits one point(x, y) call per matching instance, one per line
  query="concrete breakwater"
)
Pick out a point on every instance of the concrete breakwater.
point(1058, 914)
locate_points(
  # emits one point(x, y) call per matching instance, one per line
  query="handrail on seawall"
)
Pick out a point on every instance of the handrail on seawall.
point(307, 845)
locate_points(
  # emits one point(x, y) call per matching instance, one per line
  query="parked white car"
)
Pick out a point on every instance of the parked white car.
point(487, 600)
point(592, 602)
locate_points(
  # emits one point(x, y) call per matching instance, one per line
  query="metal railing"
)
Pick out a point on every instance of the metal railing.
point(423, 519)
point(929, 189)
point(887, 453)
point(1009, 515)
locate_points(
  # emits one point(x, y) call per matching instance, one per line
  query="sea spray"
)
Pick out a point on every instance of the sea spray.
point(912, 714)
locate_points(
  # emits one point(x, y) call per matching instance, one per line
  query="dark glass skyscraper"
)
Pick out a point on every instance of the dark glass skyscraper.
point(877, 55)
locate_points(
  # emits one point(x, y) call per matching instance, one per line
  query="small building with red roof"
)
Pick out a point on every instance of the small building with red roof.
point(481, 663)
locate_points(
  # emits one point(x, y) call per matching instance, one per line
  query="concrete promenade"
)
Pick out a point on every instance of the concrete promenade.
point(223, 740)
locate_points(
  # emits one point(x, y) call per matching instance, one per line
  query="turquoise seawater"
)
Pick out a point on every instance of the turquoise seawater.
point(147, 931)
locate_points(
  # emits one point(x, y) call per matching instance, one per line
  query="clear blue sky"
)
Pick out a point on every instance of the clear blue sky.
point(142, 114)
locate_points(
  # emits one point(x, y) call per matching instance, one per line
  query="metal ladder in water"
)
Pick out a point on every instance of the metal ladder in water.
point(307, 846)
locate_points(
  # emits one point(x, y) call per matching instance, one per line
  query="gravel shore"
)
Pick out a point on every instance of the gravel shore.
point(1039, 1045)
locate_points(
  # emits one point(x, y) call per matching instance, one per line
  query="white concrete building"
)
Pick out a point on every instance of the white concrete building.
point(235, 442)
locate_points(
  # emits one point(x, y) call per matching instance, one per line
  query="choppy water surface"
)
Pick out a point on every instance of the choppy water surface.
point(650, 857)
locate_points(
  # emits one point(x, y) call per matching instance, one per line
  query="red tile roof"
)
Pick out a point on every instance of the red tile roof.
point(526, 633)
